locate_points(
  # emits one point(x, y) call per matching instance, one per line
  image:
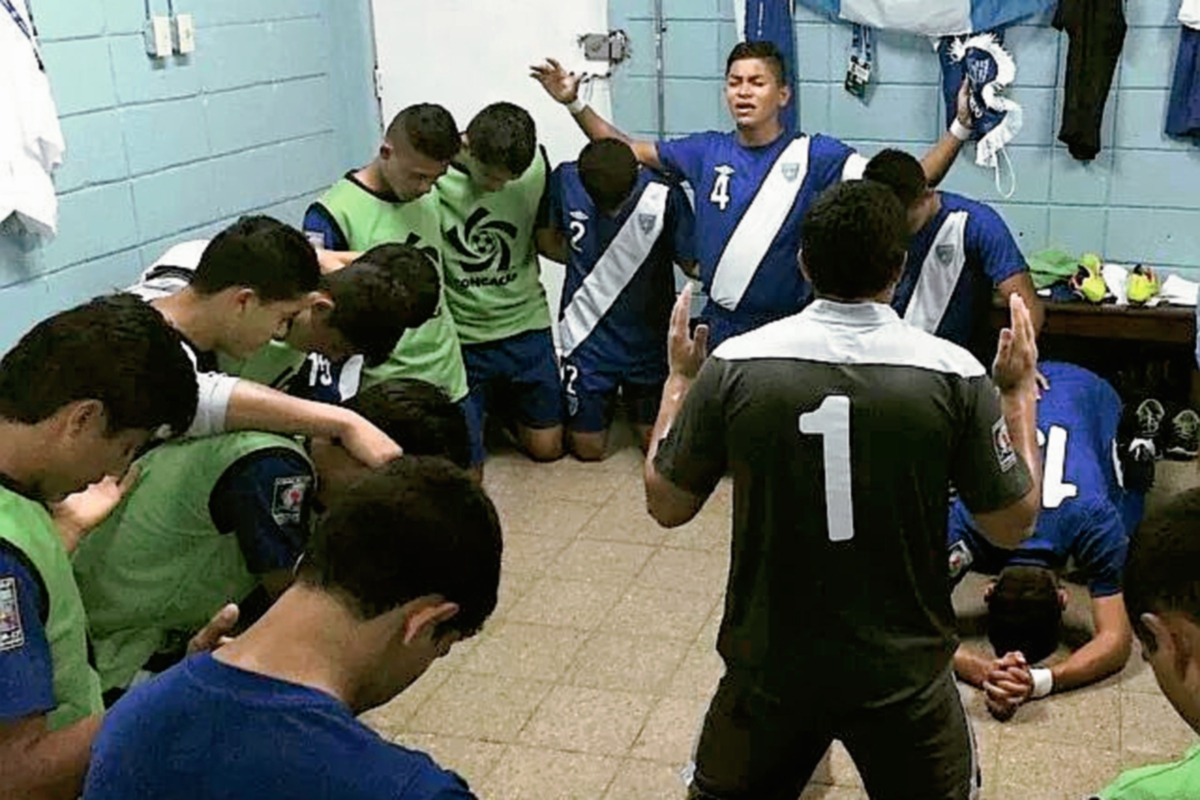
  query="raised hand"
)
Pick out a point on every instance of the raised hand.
point(686, 353)
point(77, 514)
point(1015, 367)
point(563, 86)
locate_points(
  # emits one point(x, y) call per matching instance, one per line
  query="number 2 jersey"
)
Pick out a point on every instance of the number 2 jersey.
point(750, 202)
point(842, 426)
point(1084, 507)
point(620, 282)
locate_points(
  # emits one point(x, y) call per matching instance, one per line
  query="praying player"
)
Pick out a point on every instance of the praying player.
point(961, 252)
point(752, 186)
point(619, 229)
point(1085, 520)
point(491, 200)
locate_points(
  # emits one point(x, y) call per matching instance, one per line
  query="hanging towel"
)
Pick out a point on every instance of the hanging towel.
point(1097, 32)
point(934, 18)
point(31, 141)
point(771, 21)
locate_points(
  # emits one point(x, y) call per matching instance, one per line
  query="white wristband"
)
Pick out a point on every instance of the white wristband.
point(576, 106)
point(959, 131)
point(1043, 682)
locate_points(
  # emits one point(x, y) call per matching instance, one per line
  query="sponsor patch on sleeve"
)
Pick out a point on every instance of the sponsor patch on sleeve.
point(1002, 444)
point(287, 505)
point(961, 559)
point(12, 633)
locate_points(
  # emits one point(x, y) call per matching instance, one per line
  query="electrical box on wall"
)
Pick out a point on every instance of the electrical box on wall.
point(184, 31)
point(612, 47)
point(158, 36)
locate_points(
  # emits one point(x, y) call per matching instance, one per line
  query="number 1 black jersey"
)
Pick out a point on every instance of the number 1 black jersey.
point(842, 427)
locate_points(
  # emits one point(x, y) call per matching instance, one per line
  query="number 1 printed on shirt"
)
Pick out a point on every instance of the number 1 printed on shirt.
point(831, 421)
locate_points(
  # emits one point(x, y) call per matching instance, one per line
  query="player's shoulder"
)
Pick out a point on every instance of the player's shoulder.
point(980, 216)
point(824, 144)
point(413, 775)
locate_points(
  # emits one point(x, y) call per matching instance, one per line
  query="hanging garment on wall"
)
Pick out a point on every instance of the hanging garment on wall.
point(1183, 109)
point(771, 21)
point(989, 70)
point(1189, 13)
point(1097, 32)
point(933, 18)
point(31, 141)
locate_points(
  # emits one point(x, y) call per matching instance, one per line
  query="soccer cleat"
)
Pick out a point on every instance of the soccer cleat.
point(1185, 435)
point(1143, 284)
point(1150, 415)
point(1088, 283)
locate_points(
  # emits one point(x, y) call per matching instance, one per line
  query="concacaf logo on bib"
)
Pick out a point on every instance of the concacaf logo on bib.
point(482, 243)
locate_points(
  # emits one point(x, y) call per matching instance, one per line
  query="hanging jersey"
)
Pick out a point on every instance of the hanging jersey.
point(750, 202)
point(619, 285)
point(1082, 496)
point(352, 217)
point(493, 286)
point(954, 264)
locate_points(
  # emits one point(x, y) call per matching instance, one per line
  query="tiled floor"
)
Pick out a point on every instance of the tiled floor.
point(591, 678)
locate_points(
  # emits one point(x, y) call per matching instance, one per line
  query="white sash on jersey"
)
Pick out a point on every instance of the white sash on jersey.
point(939, 276)
point(615, 269)
point(759, 226)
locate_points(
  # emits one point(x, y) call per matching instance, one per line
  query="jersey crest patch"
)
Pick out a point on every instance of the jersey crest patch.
point(790, 171)
point(961, 559)
point(1006, 456)
point(944, 254)
point(12, 633)
point(646, 222)
point(287, 504)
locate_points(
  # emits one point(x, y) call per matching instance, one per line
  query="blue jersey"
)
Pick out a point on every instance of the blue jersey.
point(206, 729)
point(620, 283)
point(1082, 497)
point(954, 264)
point(750, 202)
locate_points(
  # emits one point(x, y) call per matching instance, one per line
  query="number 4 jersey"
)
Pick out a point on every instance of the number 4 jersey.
point(842, 426)
point(1083, 516)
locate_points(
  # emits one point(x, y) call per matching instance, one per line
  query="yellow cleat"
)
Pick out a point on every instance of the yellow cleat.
point(1143, 284)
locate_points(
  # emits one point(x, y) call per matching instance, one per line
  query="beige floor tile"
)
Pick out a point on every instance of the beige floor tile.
point(671, 730)
point(587, 720)
point(658, 612)
point(609, 562)
point(393, 717)
point(555, 482)
point(624, 518)
point(699, 673)
point(571, 604)
point(557, 518)
point(1043, 771)
point(712, 627)
point(823, 792)
point(842, 771)
point(690, 571)
point(531, 554)
point(627, 663)
point(1150, 725)
point(647, 780)
point(488, 707)
point(513, 586)
point(703, 533)
point(1137, 675)
point(519, 650)
point(470, 758)
point(526, 773)
point(1085, 717)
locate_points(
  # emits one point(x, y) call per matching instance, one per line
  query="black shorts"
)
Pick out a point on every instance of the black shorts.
point(754, 746)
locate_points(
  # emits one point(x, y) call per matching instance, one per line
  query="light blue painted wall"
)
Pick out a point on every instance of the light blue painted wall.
point(274, 104)
point(1139, 201)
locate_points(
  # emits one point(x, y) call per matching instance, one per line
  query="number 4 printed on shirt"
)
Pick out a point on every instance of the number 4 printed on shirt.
point(720, 190)
point(831, 421)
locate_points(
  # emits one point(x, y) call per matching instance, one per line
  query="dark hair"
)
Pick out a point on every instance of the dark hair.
point(417, 415)
point(900, 172)
point(854, 240)
point(608, 170)
point(766, 51)
point(429, 128)
point(1162, 571)
point(259, 253)
point(1024, 613)
point(415, 527)
point(503, 135)
point(115, 349)
point(385, 291)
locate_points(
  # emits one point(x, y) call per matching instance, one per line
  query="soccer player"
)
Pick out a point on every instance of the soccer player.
point(357, 318)
point(491, 202)
point(394, 199)
point(842, 427)
point(397, 571)
point(619, 229)
point(213, 519)
point(1162, 595)
point(752, 186)
point(247, 286)
point(80, 394)
point(1084, 521)
point(961, 252)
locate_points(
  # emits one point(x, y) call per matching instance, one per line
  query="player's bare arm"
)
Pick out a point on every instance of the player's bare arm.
point(1015, 374)
point(1022, 284)
point(937, 162)
point(667, 503)
point(1107, 651)
point(552, 243)
point(563, 86)
point(39, 764)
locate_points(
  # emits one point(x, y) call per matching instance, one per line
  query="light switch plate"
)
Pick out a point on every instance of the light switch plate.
point(158, 36)
point(184, 30)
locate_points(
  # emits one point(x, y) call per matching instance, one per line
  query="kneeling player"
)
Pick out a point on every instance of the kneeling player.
point(1084, 519)
point(213, 519)
point(618, 229)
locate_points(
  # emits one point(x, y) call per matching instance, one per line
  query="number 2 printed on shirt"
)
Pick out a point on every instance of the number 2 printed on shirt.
point(831, 421)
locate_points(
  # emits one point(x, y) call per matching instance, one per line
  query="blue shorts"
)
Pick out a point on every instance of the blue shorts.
point(517, 376)
point(725, 324)
point(590, 392)
point(474, 431)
